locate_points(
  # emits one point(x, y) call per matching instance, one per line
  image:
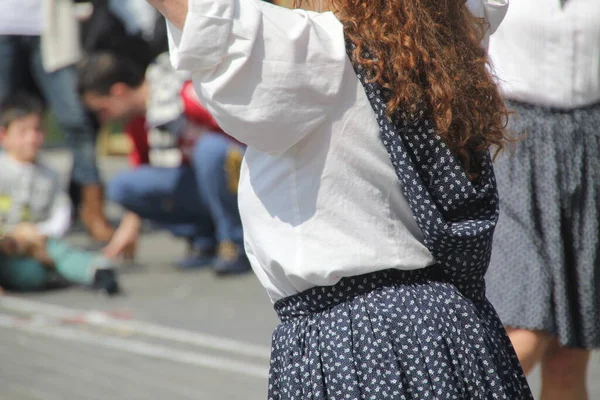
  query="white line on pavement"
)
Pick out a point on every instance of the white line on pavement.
point(136, 347)
point(105, 320)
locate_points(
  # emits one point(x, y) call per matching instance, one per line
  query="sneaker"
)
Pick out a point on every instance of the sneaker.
point(231, 260)
point(105, 281)
point(197, 258)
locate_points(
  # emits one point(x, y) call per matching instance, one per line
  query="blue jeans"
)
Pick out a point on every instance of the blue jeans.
point(197, 201)
point(59, 88)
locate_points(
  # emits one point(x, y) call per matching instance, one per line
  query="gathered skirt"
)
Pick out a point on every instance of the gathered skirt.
point(544, 273)
point(392, 335)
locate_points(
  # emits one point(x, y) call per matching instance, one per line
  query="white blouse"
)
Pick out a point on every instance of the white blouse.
point(318, 196)
point(548, 55)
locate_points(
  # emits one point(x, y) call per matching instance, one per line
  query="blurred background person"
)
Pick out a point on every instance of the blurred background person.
point(544, 277)
point(41, 37)
point(187, 169)
point(35, 211)
point(129, 28)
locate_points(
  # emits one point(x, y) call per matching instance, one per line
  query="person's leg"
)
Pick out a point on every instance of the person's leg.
point(22, 274)
point(564, 373)
point(60, 90)
point(75, 188)
point(530, 346)
point(74, 265)
point(168, 197)
point(10, 67)
point(82, 267)
point(217, 162)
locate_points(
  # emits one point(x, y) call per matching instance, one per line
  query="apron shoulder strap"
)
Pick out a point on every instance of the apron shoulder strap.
point(456, 216)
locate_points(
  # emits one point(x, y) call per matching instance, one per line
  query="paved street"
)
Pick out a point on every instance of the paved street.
point(172, 336)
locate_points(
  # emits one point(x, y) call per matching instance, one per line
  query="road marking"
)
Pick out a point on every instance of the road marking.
point(134, 346)
point(108, 320)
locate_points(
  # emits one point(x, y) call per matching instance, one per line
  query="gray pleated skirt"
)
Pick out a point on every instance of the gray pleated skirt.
point(545, 268)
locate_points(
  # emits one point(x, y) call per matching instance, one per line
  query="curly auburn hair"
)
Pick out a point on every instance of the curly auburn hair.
point(429, 51)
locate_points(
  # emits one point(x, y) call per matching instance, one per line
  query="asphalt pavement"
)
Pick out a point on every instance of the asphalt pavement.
point(173, 335)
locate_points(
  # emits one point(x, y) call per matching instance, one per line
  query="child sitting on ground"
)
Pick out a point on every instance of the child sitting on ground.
point(35, 212)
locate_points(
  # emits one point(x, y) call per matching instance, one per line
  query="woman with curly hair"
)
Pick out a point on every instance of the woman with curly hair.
point(367, 192)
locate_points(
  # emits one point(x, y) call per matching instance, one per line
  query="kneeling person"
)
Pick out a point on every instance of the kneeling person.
point(186, 169)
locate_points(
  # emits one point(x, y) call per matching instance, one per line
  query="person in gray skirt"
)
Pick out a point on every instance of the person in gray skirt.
point(544, 277)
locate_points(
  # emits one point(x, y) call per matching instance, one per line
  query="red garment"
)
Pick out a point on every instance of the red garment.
point(138, 134)
point(194, 111)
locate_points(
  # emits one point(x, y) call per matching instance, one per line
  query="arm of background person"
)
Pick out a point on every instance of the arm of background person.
point(124, 241)
point(60, 218)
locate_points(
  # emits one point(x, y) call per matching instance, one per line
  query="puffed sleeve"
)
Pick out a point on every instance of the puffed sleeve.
point(269, 75)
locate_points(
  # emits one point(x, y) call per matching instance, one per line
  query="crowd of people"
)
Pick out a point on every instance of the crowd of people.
point(368, 204)
point(88, 64)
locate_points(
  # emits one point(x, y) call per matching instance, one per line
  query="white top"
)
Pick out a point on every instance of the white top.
point(548, 55)
point(318, 195)
point(31, 193)
point(20, 17)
